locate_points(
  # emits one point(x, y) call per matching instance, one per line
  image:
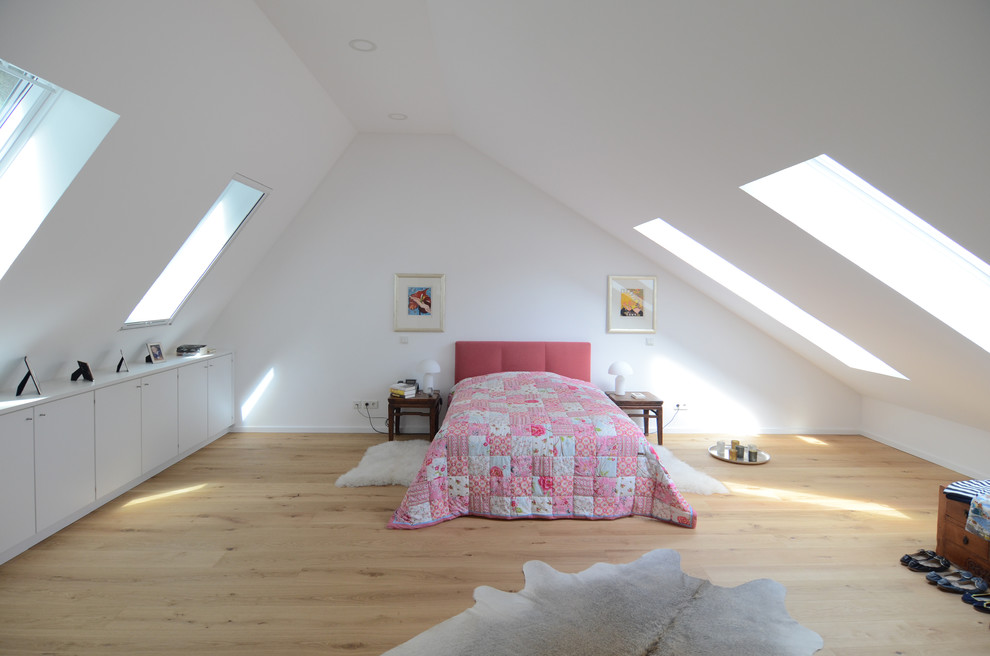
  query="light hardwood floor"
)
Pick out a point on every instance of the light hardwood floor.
point(257, 552)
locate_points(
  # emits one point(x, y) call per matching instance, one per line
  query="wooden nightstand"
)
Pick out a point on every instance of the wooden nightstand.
point(426, 405)
point(647, 406)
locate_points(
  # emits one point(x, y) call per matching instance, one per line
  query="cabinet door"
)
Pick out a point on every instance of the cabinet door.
point(159, 419)
point(16, 477)
point(118, 436)
point(221, 394)
point(193, 419)
point(65, 479)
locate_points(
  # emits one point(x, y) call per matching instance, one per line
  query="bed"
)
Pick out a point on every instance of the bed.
point(526, 435)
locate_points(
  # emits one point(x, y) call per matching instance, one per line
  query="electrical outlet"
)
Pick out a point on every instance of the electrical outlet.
point(368, 403)
point(681, 406)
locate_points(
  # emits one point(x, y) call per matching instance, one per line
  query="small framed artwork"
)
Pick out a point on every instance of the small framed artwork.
point(418, 303)
point(84, 371)
point(155, 352)
point(632, 302)
point(122, 363)
point(28, 376)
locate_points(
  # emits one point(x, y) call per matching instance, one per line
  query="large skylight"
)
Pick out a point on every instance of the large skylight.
point(47, 134)
point(846, 213)
point(764, 298)
point(201, 249)
point(22, 97)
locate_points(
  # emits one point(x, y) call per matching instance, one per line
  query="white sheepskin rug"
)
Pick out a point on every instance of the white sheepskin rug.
point(686, 477)
point(398, 462)
point(388, 463)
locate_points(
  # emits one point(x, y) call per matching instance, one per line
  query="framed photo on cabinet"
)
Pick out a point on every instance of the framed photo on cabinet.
point(632, 302)
point(155, 352)
point(418, 302)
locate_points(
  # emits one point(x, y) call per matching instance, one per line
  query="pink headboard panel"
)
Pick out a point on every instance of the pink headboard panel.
point(571, 359)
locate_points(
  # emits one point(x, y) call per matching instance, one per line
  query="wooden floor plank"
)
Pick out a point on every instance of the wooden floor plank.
point(257, 552)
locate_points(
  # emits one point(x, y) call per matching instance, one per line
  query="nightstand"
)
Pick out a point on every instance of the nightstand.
point(647, 406)
point(426, 405)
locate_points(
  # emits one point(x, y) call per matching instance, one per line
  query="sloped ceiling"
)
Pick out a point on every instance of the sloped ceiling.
point(661, 108)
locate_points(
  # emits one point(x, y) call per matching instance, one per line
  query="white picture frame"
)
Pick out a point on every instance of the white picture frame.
point(418, 304)
point(632, 302)
point(156, 352)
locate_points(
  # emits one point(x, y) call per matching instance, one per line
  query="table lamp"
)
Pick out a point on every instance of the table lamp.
point(620, 370)
point(428, 367)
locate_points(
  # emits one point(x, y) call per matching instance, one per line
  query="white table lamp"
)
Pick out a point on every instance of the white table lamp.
point(428, 367)
point(620, 370)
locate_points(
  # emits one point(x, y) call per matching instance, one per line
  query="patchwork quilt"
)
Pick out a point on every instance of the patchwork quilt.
point(538, 445)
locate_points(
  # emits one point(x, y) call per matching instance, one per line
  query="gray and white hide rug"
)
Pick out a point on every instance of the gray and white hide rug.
point(648, 607)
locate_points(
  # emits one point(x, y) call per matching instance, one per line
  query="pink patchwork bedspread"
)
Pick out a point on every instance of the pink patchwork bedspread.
point(538, 445)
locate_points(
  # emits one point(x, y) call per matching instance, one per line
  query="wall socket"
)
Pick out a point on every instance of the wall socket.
point(681, 406)
point(371, 405)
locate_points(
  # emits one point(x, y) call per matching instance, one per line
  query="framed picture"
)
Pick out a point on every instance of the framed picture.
point(122, 363)
point(156, 352)
point(632, 304)
point(28, 376)
point(418, 304)
point(83, 370)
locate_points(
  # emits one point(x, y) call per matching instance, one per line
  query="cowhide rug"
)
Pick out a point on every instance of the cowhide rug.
point(398, 462)
point(648, 607)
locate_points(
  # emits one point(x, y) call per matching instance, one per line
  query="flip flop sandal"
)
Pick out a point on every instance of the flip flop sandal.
point(952, 577)
point(924, 554)
point(936, 564)
point(970, 585)
point(983, 608)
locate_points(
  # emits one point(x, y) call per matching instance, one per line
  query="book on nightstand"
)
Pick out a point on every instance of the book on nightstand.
point(402, 390)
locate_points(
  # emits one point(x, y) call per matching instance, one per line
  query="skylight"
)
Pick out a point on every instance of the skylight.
point(861, 223)
point(201, 249)
point(46, 136)
point(764, 298)
point(22, 98)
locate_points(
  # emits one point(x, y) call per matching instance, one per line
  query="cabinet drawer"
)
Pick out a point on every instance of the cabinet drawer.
point(966, 550)
point(956, 511)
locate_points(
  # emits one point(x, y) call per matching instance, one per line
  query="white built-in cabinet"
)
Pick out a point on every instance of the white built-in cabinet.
point(64, 458)
point(193, 405)
point(64, 454)
point(16, 478)
point(159, 419)
point(118, 423)
point(221, 393)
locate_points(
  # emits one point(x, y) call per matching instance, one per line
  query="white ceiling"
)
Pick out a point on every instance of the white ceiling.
point(627, 111)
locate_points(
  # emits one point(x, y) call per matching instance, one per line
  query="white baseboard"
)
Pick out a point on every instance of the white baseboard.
point(306, 429)
point(770, 431)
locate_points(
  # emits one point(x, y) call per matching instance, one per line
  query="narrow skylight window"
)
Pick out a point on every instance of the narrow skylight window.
point(47, 134)
point(764, 298)
point(201, 249)
point(888, 241)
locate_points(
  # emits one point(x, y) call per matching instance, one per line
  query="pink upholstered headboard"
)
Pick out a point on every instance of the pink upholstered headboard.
point(571, 359)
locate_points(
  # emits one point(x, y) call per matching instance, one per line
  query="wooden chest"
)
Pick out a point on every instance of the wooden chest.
point(963, 549)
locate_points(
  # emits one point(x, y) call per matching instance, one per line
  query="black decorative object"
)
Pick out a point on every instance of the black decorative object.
point(83, 371)
point(28, 376)
point(122, 363)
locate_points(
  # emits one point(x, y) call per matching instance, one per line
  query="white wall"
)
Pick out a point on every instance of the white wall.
point(518, 266)
point(203, 90)
point(961, 448)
